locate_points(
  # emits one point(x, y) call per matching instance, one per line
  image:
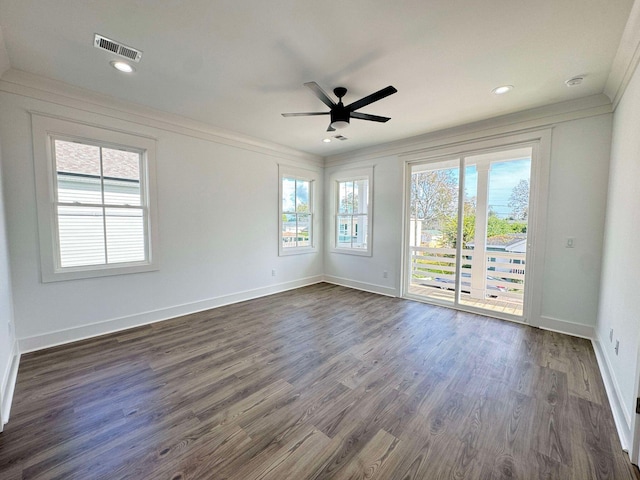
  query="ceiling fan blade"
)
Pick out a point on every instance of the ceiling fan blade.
point(366, 116)
point(331, 129)
point(304, 114)
point(374, 97)
point(324, 98)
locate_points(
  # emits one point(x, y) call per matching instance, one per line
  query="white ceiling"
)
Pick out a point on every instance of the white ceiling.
point(238, 64)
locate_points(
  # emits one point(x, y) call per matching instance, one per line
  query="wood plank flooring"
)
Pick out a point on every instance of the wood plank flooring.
point(322, 382)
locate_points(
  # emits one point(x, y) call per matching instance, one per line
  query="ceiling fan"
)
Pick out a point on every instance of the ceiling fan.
point(341, 114)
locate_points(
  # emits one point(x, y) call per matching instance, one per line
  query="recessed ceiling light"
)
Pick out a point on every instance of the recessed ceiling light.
point(574, 81)
point(502, 89)
point(326, 140)
point(122, 66)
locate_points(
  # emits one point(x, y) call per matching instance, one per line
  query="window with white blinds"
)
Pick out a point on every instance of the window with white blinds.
point(99, 205)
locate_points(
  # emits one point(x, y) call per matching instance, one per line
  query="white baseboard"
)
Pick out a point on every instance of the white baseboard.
point(570, 328)
point(7, 387)
point(367, 287)
point(613, 394)
point(52, 339)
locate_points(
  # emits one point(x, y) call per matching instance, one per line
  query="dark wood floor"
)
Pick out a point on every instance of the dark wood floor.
point(320, 382)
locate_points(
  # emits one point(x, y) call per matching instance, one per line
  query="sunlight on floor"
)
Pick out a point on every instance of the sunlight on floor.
point(496, 305)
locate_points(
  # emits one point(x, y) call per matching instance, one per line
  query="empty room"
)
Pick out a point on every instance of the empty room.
point(319, 240)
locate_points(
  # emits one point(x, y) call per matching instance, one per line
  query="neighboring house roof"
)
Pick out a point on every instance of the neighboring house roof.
point(508, 242)
point(80, 159)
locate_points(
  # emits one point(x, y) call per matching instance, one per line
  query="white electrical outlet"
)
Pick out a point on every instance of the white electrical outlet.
point(611, 335)
point(385, 274)
point(273, 272)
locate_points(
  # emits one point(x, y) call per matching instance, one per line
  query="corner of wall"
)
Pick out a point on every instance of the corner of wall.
point(623, 424)
point(626, 59)
point(569, 328)
point(364, 286)
point(8, 385)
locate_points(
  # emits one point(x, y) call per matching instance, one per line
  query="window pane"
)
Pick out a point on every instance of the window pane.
point(288, 195)
point(78, 172)
point(344, 231)
point(359, 231)
point(81, 231)
point(125, 235)
point(289, 230)
point(302, 196)
point(296, 213)
point(343, 206)
point(304, 230)
point(361, 196)
point(352, 219)
point(121, 172)
point(347, 206)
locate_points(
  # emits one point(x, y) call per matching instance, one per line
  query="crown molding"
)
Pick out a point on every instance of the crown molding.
point(627, 58)
point(34, 86)
point(524, 120)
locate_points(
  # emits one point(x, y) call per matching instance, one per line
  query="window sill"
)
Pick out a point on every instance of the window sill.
point(349, 251)
point(77, 273)
point(284, 252)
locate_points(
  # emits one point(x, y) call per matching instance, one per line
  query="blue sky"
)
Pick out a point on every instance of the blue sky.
point(289, 193)
point(502, 178)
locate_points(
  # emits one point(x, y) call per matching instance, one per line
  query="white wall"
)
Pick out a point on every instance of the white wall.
point(577, 197)
point(7, 337)
point(578, 182)
point(367, 272)
point(218, 217)
point(619, 297)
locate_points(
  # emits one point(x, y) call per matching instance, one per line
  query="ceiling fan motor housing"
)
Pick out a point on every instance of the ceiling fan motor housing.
point(340, 116)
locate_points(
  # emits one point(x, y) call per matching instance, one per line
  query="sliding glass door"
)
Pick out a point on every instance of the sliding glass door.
point(467, 228)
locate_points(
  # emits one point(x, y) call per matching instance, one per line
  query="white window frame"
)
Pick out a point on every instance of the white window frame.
point(310, 176)
point(44, 130)
point(355, 174)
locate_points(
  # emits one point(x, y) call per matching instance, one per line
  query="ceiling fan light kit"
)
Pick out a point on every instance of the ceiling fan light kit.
point(341, 115)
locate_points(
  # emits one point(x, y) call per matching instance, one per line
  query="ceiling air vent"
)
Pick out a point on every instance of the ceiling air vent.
point(112, 46)
point(340, 137)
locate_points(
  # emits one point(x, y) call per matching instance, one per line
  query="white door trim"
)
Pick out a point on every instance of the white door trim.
point(540, 140)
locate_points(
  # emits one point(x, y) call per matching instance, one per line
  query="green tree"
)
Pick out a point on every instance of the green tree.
point(495, 226)
point(450, 226)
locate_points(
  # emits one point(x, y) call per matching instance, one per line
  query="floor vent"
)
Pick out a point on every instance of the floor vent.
point(112, 46)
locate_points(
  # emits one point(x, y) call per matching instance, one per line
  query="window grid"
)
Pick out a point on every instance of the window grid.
point(300, 210)
point(103, 206)
point(351, 213)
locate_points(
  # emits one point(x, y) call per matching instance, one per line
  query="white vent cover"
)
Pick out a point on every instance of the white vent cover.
point(112, 46)
point(340, 137)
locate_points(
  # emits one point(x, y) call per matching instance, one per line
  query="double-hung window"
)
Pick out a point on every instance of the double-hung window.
point(352, 223)
point(296, 211)
point(94, 191)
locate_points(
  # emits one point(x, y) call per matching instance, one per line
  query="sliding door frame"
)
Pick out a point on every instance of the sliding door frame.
point(540, 141)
